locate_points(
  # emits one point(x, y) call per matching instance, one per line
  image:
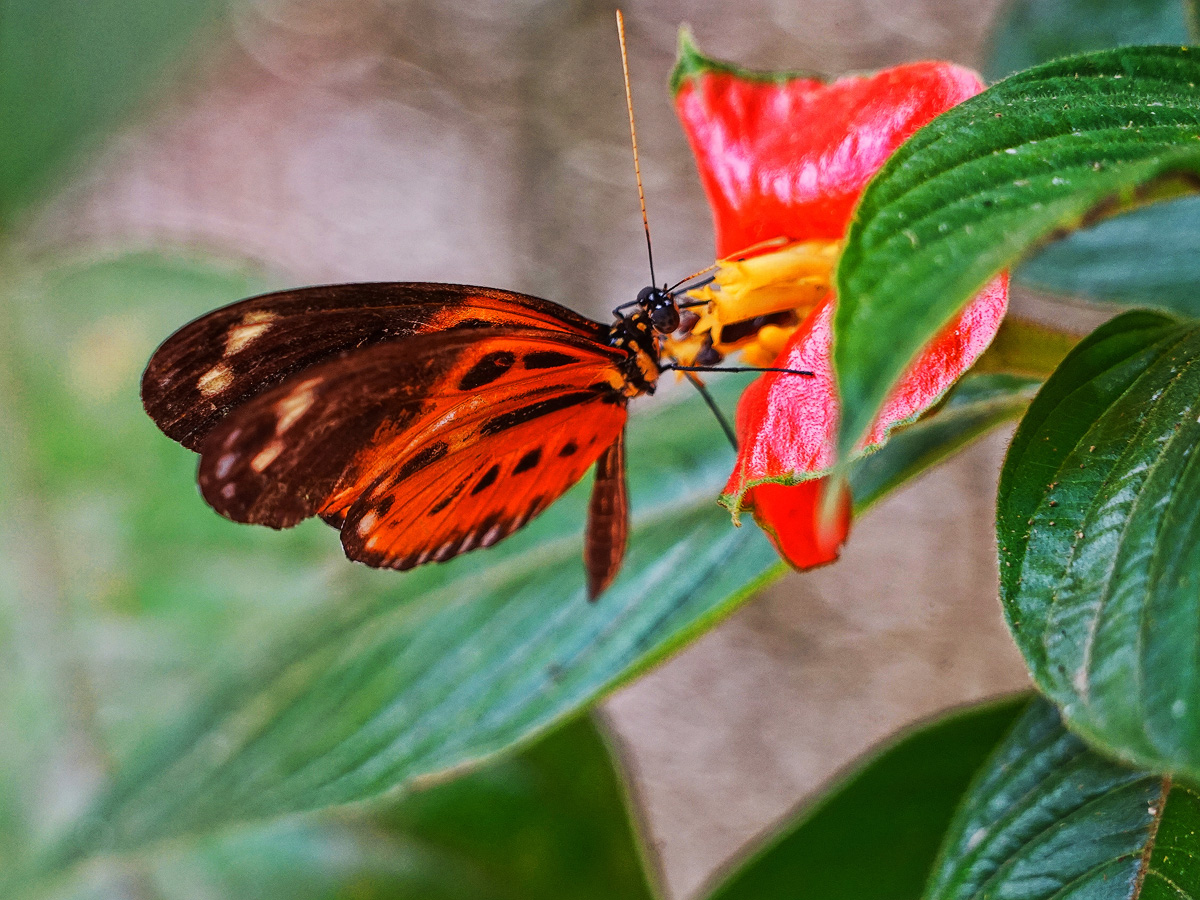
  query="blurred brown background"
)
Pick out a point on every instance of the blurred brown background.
point(486, 142)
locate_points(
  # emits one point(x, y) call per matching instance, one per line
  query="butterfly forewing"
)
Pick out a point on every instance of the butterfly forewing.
point(220, 361)
point(420, 448)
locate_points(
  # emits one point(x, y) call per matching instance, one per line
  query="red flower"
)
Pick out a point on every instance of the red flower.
point(783, 160)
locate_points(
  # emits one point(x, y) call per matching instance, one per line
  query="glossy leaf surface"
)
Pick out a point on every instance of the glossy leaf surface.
point(546, 823)
point(124, 599)
point(1098, 534)
point(1027, 33)
point(875, 836)
point(1049, 818)
point(401, 676)
point(984, 184)
point(1144, 257)
point(405, 674)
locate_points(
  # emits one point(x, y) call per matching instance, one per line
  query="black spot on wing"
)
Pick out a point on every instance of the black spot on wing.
point(547, 359)
point(569, 449)
point(471, 323)
point(426, 456)
point(447, 500)
point(487, 370)
point(523, 414)
point(488, 479)
point(528, 461)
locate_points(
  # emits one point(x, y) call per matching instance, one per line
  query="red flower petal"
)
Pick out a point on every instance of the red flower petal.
point(791, 517)
point(786, 423)
point(790, 158)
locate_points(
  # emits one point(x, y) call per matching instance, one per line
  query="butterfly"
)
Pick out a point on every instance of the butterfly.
point(422, 420)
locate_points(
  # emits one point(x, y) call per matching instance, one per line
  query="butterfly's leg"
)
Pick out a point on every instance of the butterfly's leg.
point(716, 410)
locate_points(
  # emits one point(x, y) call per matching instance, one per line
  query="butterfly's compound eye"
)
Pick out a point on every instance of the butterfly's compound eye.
point(664, 314)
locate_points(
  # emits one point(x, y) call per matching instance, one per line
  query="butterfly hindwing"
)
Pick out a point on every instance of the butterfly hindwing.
point(608, 519)
point(459, 436)
point(491, 485)
point(222, 360)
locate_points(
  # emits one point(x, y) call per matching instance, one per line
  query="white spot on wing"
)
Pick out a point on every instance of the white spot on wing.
point(266, 456)
point(366, 523)
point(252, 327)
point(294, 405)
point(214, 380)
point(225, 463)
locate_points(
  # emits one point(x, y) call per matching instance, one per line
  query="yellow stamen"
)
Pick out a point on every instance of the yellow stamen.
point(792, 279)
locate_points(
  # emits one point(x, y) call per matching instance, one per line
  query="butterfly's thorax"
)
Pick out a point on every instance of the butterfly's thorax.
point(635, 335)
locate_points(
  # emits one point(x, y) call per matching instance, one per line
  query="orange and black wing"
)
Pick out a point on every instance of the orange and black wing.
point(222, 360)
point(423, 448)
point(608, 519)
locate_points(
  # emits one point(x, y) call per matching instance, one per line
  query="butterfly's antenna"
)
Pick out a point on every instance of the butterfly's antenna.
point(716, 410)
point(637, 169)
point(695, 275)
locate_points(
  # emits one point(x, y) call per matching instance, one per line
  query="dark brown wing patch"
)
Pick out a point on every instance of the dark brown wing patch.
point(224, 359)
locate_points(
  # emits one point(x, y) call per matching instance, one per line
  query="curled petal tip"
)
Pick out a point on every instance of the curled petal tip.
point(792, 516)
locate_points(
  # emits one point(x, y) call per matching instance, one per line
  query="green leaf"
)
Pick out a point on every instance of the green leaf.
point(976, 405)
point(69, 70)
point(1144, 257)
point(1024, 347)
point(460, 662)
point(550, 822)
point(875, 836)
point(1030, 32)
point(1041, 153)
point(1050, 818)
point(401, 676)
point(1098, 532)
point(120, 570)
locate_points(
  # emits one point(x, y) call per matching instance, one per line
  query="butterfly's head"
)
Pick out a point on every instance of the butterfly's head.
point(660, 306)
